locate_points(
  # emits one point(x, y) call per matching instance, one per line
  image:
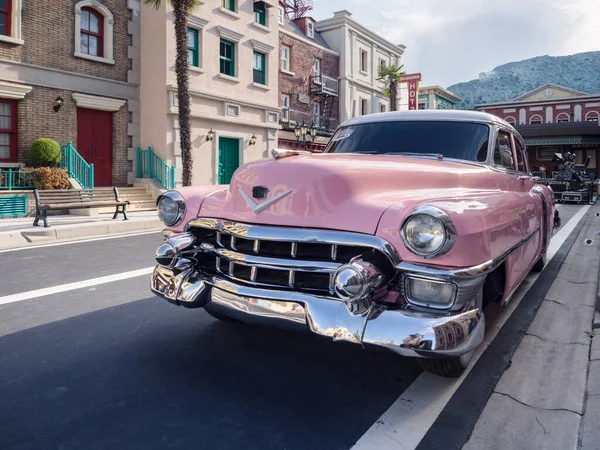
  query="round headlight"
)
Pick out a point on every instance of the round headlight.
point(428, 232)
point(171, 208)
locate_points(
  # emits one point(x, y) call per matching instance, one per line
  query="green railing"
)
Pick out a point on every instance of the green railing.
point(77, 167)
point(150, 164)
point(17, 179)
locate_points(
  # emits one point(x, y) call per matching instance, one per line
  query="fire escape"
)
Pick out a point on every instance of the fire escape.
point(326, 89)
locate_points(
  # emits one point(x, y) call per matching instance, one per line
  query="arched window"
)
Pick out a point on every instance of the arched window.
point(592, 116)
point(511, 120)
point(563, 118)
point(94, 31)
point(92, 40)
point(536, 119)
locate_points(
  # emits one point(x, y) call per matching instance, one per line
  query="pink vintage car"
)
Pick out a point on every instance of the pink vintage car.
point(396, 236)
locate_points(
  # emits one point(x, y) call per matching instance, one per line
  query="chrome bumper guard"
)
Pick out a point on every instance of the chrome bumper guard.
point(408, 333)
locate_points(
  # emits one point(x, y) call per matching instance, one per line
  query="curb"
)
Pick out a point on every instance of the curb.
point(28, 237)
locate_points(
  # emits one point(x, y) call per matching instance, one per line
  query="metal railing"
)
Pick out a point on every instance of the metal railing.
point(322, 84)
point(77, 167)
point(291, 117)
point(17, 179)
point(151, 165)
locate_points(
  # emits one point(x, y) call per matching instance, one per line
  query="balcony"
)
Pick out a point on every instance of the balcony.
point(290, 118)
point(324, 85)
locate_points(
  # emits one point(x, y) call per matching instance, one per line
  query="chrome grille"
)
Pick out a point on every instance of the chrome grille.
point(286, 258)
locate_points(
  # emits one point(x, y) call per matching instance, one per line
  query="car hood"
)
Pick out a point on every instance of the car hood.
point(335, 191)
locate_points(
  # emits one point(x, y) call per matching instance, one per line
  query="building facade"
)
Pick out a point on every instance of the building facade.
point(361, 52)
point(308, 84)
point(436, 97)
point(233, 68)
point(85, 53)
point(554, 119)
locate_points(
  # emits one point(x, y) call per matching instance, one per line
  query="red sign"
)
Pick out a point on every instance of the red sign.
point(413, 89)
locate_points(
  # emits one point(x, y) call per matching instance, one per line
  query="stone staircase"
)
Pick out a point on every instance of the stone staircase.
point(140, 198)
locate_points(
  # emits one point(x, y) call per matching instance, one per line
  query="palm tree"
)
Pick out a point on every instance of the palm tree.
point(391, 76)
point(181, 10)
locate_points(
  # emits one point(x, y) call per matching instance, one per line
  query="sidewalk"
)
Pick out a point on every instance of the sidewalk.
point(15, 233)
point(540, 400)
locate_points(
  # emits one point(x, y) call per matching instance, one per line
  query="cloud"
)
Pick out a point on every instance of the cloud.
point(453, 41)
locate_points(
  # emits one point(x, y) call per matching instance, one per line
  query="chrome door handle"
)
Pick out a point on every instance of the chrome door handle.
point(525, 177)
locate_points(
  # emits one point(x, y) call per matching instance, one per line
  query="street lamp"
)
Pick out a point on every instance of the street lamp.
point(301, 130)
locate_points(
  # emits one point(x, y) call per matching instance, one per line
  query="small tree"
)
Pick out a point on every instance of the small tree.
point(391, 76)
point(181, 10)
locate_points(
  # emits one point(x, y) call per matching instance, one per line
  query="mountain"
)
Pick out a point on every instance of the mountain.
point(580, 72)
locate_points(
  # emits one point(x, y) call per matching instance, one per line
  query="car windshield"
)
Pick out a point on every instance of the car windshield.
point(458, 140)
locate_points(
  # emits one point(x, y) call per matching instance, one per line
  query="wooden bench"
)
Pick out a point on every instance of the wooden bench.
point(47, 200)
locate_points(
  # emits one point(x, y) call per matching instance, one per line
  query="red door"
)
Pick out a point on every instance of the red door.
point(94, 142)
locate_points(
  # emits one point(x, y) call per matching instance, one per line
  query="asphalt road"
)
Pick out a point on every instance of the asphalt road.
point(112, 366)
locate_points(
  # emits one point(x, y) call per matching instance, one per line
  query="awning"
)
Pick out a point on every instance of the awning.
point(565, 140)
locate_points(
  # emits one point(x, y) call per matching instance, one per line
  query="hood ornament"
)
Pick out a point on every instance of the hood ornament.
point(258, 208)
point(278, 154)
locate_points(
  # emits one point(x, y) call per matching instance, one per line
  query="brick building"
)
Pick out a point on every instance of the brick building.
point(86, 53)
point(554, 119)
point(308, 83)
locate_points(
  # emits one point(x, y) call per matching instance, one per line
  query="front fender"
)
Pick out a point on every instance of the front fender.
point(194, 197)
point(487, 224)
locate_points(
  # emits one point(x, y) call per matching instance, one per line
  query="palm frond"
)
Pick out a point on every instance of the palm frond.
point(155, 3)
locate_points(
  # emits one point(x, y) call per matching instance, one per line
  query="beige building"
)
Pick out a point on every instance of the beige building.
point(233, 57)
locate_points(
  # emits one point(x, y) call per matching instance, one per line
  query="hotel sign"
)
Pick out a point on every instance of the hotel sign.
point(412, 80)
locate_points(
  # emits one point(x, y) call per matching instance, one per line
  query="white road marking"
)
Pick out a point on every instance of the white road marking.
point(409, 418)
point(73, 286)
point(77, 241)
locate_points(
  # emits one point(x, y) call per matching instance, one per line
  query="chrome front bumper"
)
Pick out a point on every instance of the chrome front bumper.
point(407, 333)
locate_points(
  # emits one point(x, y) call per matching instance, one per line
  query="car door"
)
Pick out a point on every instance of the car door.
point(532, 207)
point(513, 213)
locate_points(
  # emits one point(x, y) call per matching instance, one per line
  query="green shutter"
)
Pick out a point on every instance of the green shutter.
point(229, 4)
point(260, 13)
point(229, 159)
point(193, 46)
point(259, 68)
point(13, 206)
point(227, 58)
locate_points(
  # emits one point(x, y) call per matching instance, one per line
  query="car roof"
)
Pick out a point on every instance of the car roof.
point(429, 115)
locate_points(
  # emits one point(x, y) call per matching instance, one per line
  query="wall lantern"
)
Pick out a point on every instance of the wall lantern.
point(210, 135)
point(58, 103)
point(253, 140)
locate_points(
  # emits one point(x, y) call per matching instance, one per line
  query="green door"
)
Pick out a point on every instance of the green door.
point(229, 158)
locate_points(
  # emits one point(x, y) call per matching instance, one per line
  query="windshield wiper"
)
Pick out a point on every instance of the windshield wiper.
point(433, 155)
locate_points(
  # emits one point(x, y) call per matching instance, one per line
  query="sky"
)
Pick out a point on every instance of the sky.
point(451, 41)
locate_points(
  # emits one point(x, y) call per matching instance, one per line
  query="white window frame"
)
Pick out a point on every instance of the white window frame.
point(280, 15)
point(589, 116)
point(285, 107)
point(310, 29)
point(107, 36)
point(317, 67)
point(366, 61)
point(536, 116)
point(364, 102)
point(382, 107)
point(15, 24)
point(316, 113)
point(563, 116)
point(509, 118)
point(285, 61)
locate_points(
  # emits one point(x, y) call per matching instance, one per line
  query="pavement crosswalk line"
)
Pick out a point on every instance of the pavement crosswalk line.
point(74, 286)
